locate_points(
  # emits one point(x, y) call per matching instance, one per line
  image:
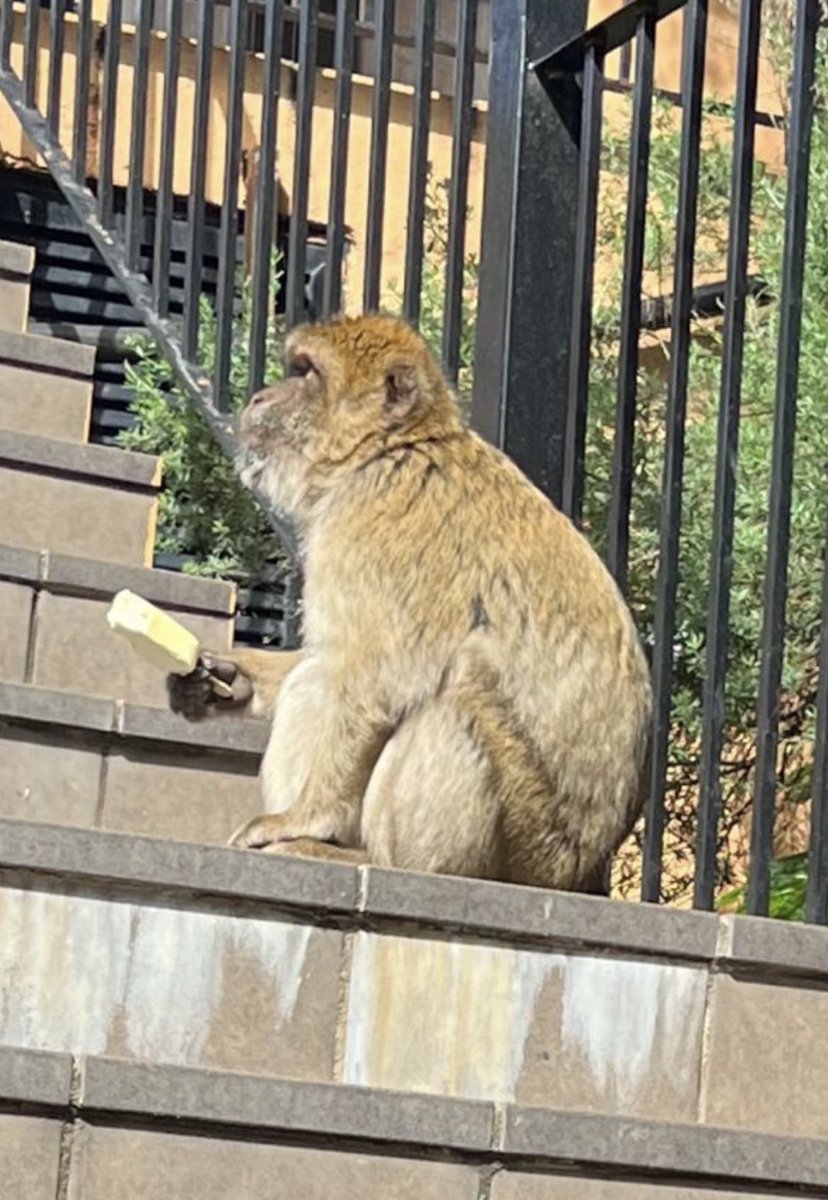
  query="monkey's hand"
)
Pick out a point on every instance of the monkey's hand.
point(216, 684)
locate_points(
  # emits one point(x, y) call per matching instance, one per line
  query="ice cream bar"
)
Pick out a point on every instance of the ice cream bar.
point(153, 634)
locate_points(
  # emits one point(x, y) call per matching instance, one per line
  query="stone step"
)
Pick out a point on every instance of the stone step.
point(16, 266)
point(90, 501)
point(82, 1127)
point(58, 637)
point(86, 761)
point(176, 955)
point(45, 386)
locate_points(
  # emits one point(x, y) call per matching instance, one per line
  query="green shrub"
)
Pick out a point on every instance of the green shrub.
point(205, 513)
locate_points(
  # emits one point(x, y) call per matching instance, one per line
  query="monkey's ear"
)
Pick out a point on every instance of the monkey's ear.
point(402, 385)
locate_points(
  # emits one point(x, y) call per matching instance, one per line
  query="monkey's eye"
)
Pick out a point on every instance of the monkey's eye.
point(300, 366)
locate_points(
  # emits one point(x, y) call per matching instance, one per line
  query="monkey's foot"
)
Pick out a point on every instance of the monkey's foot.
point(215, 682)
point(269, 835)
point(263, 833)
point(310, 848)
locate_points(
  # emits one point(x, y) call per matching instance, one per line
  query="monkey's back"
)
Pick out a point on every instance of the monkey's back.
point(436, 542)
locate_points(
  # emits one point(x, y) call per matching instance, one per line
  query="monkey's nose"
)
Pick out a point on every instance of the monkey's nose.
point(259, 398)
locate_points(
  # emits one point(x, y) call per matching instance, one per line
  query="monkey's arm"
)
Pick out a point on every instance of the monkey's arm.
point(346, 736)
point(244, 683)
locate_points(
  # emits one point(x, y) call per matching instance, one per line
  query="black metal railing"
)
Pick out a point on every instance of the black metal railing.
point(563, 90)
point(126, 59)
point(540, 260)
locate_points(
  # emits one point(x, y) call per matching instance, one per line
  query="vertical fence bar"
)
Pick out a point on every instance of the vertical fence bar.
point(261, 299)
point(6, 30)
point(109, 98)
point(816, 899)
point(808, 14)
point(137, 135)
point(229, 231)
point(30, 52)
point(585, 228)
point(343, 63)
point(727, 449)
point(418, 162)
point(83, 60)
point(626, 58)
point(381, 108)
point(57, 39)
point(527, 264)
point(198, 169)
point(166, 166)
point(297, 240)
point(459, 187)
point(693, 56)
point(630, 332)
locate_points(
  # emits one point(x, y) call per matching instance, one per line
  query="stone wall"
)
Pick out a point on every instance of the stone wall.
point(209, 958)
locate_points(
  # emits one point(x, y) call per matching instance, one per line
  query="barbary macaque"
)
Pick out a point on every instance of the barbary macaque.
point(472, 696)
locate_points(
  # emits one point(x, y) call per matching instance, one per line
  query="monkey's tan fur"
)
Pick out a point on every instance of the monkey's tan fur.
point(472, 697)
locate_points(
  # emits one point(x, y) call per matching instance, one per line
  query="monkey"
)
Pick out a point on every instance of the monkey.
point(472, 697)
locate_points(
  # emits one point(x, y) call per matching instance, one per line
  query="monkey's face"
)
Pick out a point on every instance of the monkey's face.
point(352, 388)
point(277, 432)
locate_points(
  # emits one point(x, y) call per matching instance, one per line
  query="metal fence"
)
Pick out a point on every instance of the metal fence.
point(543, 149)
point(547, 81)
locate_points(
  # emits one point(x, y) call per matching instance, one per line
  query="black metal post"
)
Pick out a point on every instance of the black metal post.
point(83, 58)
point(459, 188)
point(418, 164)
point(108, 105)
point(724, 507)
point(581, 337)
point(6, 23)
point(344, 59)
point(30, 53)
point(528, 240)
point(630, 332)
point(298, 237)
point(138, 135)
point(57, 38)
point(198, 176)
point(262, 298)
point(693, 56)
point(816, 900)
point(164, 209)
point(808, 16)
point(228, 234)
point(378, 166)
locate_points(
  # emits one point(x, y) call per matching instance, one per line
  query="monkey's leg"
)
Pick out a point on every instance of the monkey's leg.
point(461, 789)
point(322, 749)
point(430, 804)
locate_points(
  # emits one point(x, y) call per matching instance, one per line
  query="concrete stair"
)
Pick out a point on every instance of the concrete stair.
point(197, 1021)
point(86, 737)
point(45, 385)
point(80, 499)
point(16, 266)
point(102, 1128)
point(62, 639)
point(182, 1019)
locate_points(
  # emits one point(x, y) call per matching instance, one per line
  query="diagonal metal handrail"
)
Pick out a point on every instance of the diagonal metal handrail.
point(194, 381)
